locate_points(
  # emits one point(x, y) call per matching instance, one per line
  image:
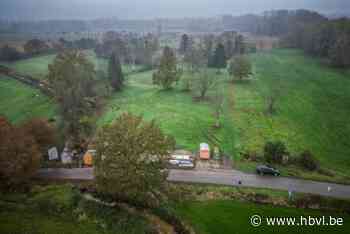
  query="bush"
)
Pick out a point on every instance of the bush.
point(169, 215)
point(274, 152)
point(326, 172)
point(308, 161)
point(307, 201)
point(114, 219)
point(251, 156)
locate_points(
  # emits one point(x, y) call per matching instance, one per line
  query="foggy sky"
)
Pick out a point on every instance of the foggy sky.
point(140, 9)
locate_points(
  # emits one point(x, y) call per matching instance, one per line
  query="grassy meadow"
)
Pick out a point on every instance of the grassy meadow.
point(173, 110)
point(36, 67)
point(234, 217)
point(19, 102)
point(312, 110)
point(313, 106)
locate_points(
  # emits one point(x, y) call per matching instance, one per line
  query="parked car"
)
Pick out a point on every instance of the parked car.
point(174, 162)
point(186, 164)
point(267, 170)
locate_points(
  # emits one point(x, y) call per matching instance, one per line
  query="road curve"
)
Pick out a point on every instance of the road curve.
point(220, 177)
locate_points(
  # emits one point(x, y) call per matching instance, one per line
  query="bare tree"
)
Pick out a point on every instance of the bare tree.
point(218, 103)
point(203, 83)
point(272, 97)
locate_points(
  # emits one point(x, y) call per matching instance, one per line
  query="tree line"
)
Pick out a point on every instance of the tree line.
point(131, 48)
point(328, 39)
point(34, 47)
point(310, 31)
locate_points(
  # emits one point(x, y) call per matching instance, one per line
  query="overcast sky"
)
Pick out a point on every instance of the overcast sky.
point(135, 9)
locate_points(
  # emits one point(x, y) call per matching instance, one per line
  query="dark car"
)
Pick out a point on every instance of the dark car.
point(267, 170)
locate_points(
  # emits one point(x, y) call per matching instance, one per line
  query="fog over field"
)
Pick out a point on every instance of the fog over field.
point(87, 9)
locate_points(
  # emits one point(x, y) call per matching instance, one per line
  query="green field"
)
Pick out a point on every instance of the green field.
point(19, 102)
point(37, 67)
point(218, 217)
point(313, 110)
point(174, 110)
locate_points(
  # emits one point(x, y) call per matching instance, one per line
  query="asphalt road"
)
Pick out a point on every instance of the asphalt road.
point(66, 174)
point(221, 177)
point(231, 177)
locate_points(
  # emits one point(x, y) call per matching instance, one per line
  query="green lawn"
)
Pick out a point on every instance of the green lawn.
point(19, 102)
point(313, 110)
point(218, 217)
point(174, 110)
point(36, 67)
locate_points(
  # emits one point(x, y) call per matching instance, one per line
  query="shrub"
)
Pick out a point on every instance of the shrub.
point(308, 201)
point(114, 219)
point(251, 156)
point(325, 172)
point(274, 152)
point(169, 215)
point(308, 161)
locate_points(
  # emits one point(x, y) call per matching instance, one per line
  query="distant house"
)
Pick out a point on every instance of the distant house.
point(204, 151)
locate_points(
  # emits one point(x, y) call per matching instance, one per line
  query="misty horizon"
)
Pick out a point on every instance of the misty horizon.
point(150, 9)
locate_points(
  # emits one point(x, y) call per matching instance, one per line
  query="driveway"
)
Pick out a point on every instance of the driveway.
point(221, 177)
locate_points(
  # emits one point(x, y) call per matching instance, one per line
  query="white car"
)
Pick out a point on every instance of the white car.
point(186, 164)
point(174, 162)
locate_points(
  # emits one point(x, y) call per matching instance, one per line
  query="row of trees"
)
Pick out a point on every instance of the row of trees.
point(199, 57)
point(30, 48)
point(35, 47)
point(130, 48)
point(307, 30)
point(329, 39)
point(212, 51)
